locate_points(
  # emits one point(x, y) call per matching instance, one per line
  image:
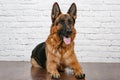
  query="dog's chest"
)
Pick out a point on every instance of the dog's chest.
point(63, 54)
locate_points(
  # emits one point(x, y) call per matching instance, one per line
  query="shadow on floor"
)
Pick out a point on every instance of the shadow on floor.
point(41, 74)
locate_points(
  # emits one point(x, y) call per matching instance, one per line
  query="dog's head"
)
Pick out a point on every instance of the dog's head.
point(63, 24)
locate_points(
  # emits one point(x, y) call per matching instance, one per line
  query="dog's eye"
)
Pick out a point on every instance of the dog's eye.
point(60, 22)
point(69, 22)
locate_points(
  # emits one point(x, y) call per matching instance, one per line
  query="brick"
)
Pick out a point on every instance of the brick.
point(26, 23)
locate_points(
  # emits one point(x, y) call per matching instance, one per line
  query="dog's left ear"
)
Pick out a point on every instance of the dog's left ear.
point(55, 11)
point(73, 10)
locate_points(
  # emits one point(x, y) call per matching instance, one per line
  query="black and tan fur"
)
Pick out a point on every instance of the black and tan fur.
point(57, 52)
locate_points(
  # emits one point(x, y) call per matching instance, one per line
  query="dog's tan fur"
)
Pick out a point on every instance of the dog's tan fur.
point(60, 55)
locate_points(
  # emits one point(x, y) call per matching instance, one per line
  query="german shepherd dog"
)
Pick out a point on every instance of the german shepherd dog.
point(57, 52)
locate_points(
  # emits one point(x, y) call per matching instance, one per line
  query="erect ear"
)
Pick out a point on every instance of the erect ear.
point(73, 11)
point(55, 11)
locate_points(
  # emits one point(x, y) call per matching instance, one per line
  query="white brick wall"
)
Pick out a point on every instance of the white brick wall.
point(26, 23)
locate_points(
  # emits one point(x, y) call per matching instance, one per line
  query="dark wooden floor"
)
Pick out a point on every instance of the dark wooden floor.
point(24, 71)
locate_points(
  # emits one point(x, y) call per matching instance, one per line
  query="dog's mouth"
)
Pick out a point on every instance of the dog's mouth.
point(65, 36)
point(67, 40)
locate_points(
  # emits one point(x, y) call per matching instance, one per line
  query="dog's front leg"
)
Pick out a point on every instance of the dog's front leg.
point(52, 69)
point(73, 64)
point(77, 70)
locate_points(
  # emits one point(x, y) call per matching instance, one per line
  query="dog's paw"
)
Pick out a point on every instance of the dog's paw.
point(80, 76)
point(55, 75)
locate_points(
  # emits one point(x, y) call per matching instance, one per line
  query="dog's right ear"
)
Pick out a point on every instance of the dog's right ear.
point(73, 10)
point(55, 11)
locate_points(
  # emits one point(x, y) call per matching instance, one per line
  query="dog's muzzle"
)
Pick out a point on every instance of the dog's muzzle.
point(65, 35)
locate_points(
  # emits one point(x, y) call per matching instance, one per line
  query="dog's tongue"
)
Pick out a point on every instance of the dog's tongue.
point(66, 40)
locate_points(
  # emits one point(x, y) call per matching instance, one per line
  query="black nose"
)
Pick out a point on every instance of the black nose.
point(69, 31)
